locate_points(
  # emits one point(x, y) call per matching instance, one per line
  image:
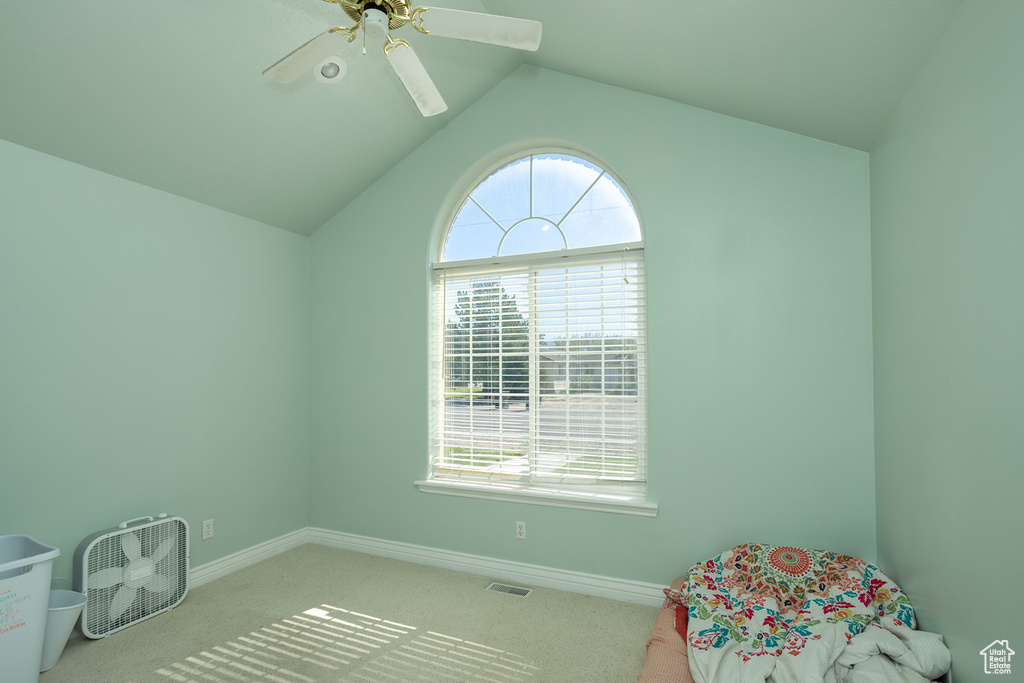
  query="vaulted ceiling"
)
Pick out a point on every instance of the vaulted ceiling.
point(170, 94)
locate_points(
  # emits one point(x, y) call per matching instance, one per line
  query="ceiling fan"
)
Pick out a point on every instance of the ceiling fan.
point(376, 18)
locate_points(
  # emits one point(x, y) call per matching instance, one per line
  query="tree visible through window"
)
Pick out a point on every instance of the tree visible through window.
point(539, 365)
point(488, 343)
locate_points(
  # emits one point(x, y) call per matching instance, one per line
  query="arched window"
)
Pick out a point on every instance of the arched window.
point(539, 353)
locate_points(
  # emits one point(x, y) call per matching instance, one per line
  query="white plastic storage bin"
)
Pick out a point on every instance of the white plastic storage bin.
point(61, 617)
point(25, 568)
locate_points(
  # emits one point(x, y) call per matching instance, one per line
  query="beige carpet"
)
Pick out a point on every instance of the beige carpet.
point(321, 615)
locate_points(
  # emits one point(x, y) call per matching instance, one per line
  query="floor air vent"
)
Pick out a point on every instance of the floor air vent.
point(511, 590)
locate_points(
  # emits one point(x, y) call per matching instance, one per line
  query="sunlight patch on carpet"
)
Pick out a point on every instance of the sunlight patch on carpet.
point(331, 644)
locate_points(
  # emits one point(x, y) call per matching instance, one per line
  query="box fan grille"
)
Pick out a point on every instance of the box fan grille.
point(131, 572)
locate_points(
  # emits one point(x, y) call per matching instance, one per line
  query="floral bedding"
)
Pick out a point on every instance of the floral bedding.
point(779, 613)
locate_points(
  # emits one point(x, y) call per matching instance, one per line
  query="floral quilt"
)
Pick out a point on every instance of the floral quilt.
point(779, 613)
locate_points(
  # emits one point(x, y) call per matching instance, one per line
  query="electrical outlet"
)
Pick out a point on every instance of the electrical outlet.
point(207, 529)
point(521, 530)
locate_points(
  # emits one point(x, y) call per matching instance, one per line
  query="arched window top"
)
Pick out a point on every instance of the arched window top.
point(541, 203)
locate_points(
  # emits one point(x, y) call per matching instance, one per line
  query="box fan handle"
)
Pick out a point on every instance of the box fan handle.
point(124, 524)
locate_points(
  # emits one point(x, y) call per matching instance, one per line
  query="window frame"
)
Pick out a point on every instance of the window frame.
point(628, 499)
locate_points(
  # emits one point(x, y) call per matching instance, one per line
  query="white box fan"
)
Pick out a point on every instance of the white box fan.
point(131, 572)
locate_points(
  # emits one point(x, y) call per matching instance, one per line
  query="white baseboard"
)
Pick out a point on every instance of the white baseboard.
point(244, 558)
point(501, 570)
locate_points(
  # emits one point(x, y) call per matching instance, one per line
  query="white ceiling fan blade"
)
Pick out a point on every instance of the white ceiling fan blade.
point(162, 550)
point(158, 583)
point(105, 578)
point(121, 602)
point(414, 77)
point(131, 547)
point(521, 34)
point(306, 56)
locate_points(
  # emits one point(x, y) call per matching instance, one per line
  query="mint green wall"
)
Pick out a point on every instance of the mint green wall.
point(153, 358)
point(948, 258)
point(154, 352)
point(760, 421)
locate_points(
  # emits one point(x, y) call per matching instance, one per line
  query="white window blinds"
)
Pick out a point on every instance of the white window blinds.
point(539, 372)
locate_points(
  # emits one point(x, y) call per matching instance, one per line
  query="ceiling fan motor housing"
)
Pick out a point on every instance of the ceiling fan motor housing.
point(375, 26)
point(397, 11)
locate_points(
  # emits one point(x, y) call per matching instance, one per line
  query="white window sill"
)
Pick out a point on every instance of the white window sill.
point(620, 503)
